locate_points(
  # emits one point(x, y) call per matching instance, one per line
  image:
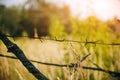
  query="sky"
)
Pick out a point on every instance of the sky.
point(103, 9)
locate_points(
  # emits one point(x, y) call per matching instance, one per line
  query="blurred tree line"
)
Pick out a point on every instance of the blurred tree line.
point(34, 17)
point(40, 18)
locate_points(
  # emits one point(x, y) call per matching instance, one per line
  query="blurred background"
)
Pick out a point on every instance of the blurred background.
point(81, 20)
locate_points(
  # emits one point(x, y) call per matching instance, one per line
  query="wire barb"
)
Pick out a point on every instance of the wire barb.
point(64, 40)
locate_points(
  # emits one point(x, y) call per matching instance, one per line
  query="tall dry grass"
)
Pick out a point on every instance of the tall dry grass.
point(107, 57)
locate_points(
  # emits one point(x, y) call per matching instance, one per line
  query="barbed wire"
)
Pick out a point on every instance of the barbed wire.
point(72, 65)
point(64, 40)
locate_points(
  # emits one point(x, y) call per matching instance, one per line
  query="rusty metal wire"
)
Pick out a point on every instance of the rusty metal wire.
point(113, 73)
point(64, 40)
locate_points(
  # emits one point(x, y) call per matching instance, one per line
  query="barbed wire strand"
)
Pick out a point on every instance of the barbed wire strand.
point(113, 73)
point(64, 40)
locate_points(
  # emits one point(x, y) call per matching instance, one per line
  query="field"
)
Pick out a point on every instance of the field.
point(105, 56)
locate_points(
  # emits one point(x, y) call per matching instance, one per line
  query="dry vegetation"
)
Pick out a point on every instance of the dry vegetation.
point(107, 57)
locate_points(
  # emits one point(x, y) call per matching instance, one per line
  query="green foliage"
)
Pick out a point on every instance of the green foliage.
point(9, 19)
point(92, 29)
point(57, 29)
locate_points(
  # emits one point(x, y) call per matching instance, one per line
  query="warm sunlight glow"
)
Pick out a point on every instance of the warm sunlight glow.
point(106, 9)
point(103, 9)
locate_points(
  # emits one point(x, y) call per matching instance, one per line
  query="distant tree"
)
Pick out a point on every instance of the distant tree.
point(40, 13)
point(10, 17)
point(34, 17)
